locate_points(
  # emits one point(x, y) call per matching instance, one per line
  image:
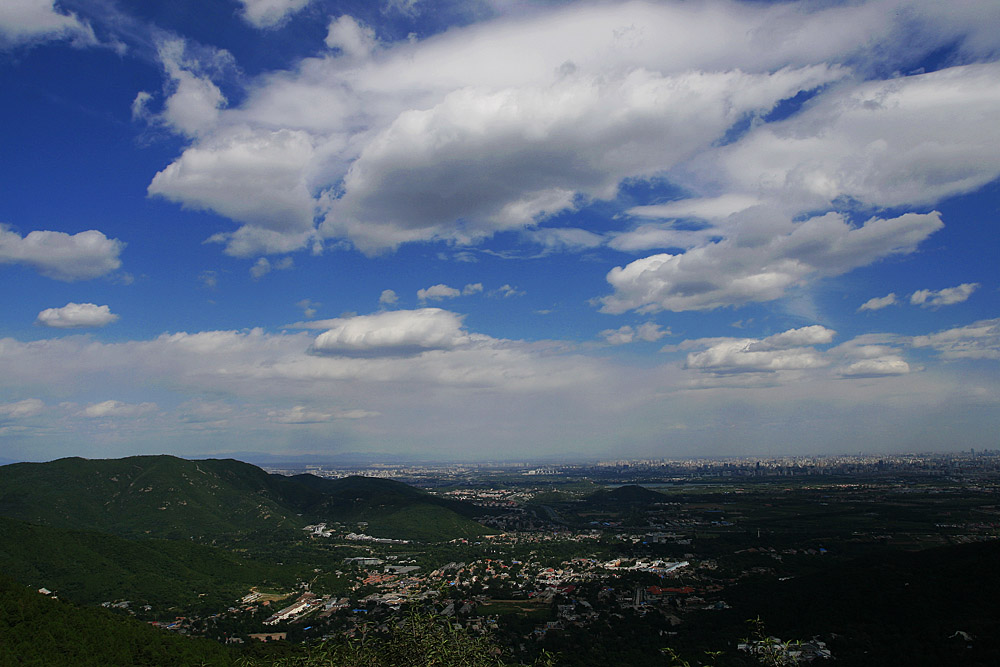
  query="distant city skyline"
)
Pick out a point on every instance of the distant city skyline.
point(499, 230)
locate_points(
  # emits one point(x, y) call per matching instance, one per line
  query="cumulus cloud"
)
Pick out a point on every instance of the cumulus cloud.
point(504, 124)
point(29, 407)
point(397, 332)
point(353, 39)
point(437, 293)
point(254, 176)
point(193, 103)
point(66, 257)
point(117, 409)
point(766, 254)
point(263, 266)
point(881, 143)
point(270, 13)
point(649, 332)
point(77, 316)
point(472, 288)
point(879, 367)
point(504, 159)
point(879, 302)
point(980, 340)
point(27, 21)
point(787, 351)
point(388, 298)
point(944, 297)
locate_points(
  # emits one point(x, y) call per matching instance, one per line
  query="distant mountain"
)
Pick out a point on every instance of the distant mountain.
point(338, 459)
point(164, 496)
point(631, 494)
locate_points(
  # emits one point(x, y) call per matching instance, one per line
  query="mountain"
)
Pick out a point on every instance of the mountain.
point(630, 494)
point(161, 496)
point(90, 568)
point(168, 497)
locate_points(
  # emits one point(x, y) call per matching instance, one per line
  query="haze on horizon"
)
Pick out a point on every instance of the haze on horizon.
point(499, 230)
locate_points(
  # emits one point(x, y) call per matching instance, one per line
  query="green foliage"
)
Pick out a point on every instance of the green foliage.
point(419, 641)
point(89, 567)
point(40, 631)
point(159, 496)
point(423, 522)
point(164, 496)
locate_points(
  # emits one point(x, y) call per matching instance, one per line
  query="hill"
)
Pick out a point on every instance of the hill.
point(161, 496)
point(630, 494)
point(90, 568)
point(164, 496)
point(37, 630)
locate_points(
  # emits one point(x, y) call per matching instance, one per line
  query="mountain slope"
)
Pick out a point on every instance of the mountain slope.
point(164, 496)
point(37, 630)
point(91, 568)
point(161, 496)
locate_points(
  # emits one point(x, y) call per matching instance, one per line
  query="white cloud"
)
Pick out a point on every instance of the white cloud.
point(193, 104)
point(908, 141)
point(879, 302)
point(811, 335)
point(765, 255)
point(980, 340)
point(140, 105)
point(736, 356)
point(300, 414)
point(649, 237)
point(117, 409)
point(437, 293)
point(66, 257)
point(440, 292)
point(787, 351)
point(270, 13)
point(263, 266)
point(253, 176)
point(944, 297)
point(503, 159)
point(387, 298)
point(354, 39)
point(28, 407)
point(879, 367)
point(506, 291)
point(711, 208)
point(559, 239)
point(649, 331)
point(499, 125)
point(308, 307)
point(77, 316)
point(27, 21)
point(396, 332)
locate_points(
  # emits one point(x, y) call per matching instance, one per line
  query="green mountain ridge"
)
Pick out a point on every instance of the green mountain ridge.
point(168, 497)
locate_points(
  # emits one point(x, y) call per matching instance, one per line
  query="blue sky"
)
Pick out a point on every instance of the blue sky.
point(498, 230)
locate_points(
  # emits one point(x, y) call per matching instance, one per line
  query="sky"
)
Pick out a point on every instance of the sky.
point(498, 229)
